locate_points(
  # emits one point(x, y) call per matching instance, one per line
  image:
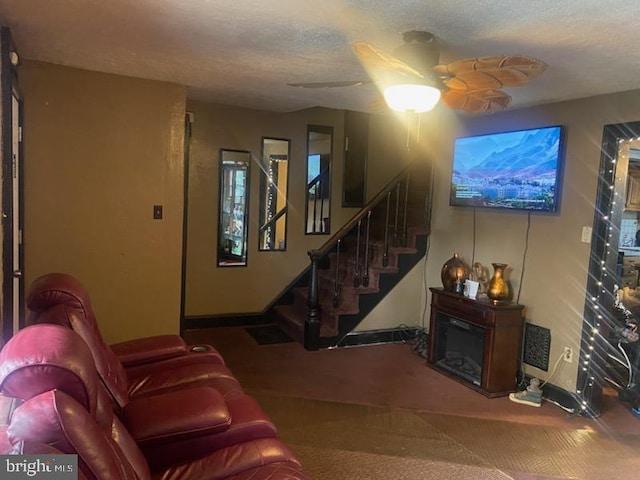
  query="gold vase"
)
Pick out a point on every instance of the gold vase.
point(454, 273)
point(498, 289)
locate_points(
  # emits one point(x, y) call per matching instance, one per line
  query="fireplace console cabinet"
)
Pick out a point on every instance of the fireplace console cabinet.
point(475, 342)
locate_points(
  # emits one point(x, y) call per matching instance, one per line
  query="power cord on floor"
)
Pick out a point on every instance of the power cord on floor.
point(418, 339)
point(553, 370)
point(421, 343)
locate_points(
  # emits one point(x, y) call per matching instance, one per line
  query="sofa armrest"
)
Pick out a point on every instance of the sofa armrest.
point(176, 415)
point(149, 349)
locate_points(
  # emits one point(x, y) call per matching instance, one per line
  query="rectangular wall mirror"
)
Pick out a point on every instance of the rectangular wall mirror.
point(356, 146)
point(274, 178)
point(233, 209)
point(318, 205)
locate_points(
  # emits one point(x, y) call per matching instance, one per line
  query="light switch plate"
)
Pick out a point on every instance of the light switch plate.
point(157, 212)
point(586, 234)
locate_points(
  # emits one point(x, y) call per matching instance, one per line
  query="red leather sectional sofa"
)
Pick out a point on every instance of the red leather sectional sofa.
point(146, 409)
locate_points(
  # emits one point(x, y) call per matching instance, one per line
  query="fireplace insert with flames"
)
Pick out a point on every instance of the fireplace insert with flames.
point(459, 347)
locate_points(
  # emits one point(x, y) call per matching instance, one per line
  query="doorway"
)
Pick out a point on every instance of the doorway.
point(12, 199)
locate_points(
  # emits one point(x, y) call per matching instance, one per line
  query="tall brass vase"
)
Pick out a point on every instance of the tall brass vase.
point(498, 289)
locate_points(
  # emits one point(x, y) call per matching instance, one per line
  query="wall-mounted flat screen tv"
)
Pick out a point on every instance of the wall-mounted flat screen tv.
point(519, 170)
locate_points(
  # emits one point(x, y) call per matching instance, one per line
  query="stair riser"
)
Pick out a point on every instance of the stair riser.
point(402, 254)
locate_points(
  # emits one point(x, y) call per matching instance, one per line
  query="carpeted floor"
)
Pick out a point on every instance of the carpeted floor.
point(268, 335)
point(378, 412)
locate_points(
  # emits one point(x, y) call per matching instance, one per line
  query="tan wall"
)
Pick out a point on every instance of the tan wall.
point(402, 307)
point(394, 143)
point(100, 151)
point(553, 288)
point(212, 290)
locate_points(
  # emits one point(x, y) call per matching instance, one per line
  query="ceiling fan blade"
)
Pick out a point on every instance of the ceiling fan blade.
point(347, 83)
point(378, 104)
point(375, 59)
point(490, 73)
point(482, 101)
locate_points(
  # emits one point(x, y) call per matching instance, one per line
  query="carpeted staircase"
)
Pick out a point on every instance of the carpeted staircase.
point(360, 264)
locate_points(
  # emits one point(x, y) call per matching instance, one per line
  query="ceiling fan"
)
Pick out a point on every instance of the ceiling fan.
point(414, 72)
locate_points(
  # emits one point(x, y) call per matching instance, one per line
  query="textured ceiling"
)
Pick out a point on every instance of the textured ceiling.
point(244, 52)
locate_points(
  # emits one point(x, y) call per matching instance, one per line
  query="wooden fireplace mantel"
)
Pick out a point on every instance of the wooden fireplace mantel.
point(502, 325)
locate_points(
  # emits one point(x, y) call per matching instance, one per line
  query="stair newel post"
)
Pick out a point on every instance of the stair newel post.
point(336, 283)
point(312, 323)
point(397, 216)
point(356, 262)
point(403, 236)
point(385, 255)
point(365, 279)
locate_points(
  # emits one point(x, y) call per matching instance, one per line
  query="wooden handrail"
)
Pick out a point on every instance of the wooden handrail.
point(312, 322)
point(329, 244)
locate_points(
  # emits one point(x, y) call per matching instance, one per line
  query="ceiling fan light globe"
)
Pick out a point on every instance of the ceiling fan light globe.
point(413, 97)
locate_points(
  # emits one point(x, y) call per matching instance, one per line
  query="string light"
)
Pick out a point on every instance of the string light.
point(598, 303)
point(269, 230)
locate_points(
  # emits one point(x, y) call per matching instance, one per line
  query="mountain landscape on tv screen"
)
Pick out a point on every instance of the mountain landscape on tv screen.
point(511, 170)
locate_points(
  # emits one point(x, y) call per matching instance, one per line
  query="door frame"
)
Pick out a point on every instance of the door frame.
point(9, 89)
point(188, 121)
point(599, 317)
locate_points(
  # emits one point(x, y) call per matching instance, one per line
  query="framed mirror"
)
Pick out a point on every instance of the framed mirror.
point(356, 146)
point(613, 238)
point(233, 208)
point(274, 179)
point(318, 192)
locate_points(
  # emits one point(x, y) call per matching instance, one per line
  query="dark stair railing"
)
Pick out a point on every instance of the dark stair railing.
point(334, 244)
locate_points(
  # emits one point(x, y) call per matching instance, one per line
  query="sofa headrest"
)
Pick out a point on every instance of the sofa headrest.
point(61, 299)
point(54, 289)
point(46, 357)
point(56, 419)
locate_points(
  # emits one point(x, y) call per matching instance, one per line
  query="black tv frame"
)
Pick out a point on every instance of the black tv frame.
point(561, 158)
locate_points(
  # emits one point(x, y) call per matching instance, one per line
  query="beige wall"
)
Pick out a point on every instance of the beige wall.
point(212, 290)
point(403, 306)
point(100, 151)
point(394, 142)
point(553, 287)
point(215, 291)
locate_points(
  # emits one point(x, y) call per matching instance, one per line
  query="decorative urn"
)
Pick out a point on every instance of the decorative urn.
point(454, 273)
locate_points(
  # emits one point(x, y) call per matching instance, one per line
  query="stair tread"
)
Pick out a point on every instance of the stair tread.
point(293, 316)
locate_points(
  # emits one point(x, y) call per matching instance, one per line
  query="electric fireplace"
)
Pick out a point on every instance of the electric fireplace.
point(475, 342)
point(459, 347)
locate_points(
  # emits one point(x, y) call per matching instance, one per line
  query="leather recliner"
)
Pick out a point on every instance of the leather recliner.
point(60, 299)
point(129, 369)
point(65, 406)
point(197, 418)
point(53, 288)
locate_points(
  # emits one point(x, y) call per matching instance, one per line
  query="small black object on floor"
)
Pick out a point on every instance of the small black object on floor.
point(268, 335)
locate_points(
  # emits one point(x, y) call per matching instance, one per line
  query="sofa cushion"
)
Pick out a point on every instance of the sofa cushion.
point(176, 415)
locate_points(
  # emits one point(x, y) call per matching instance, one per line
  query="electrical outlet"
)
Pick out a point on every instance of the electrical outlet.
point(567, 354)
